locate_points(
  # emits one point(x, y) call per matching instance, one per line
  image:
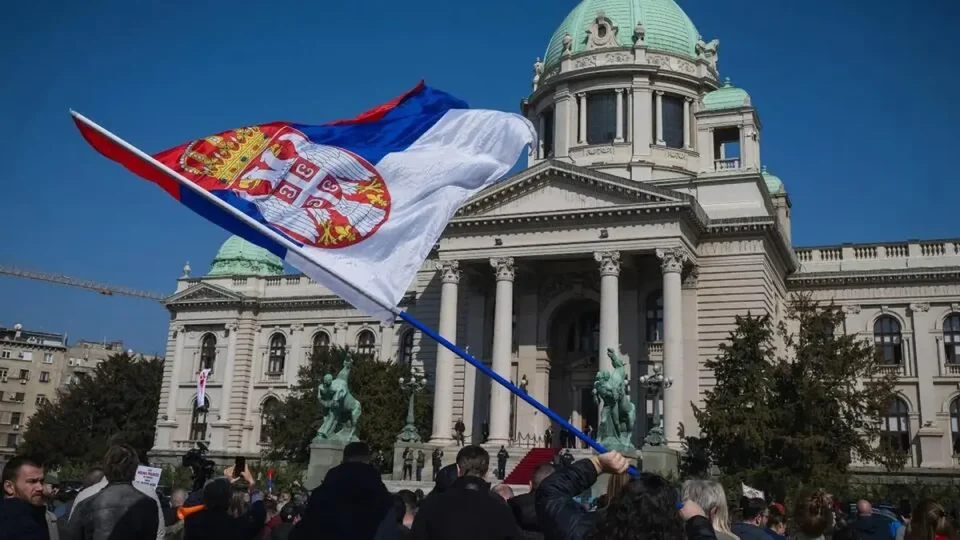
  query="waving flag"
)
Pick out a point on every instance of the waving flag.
point(356, 204)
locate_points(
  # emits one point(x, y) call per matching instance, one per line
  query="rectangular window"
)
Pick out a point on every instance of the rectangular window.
point(547, 135)
point(1, 395)
point(48, 358)
point(12, 440)
point(15, 418)
point(672, 121)
point(24, 374)
point(3, 374)
point(27, 355)
point(19, 397)
point(44, 376)
point(5, 354)
point(601, 117)
point(41, 399)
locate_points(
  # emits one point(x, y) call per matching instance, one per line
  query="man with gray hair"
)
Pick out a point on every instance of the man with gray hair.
point(711, 497)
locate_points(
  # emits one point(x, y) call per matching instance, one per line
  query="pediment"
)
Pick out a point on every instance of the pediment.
point(560, 187)
point(204, 292)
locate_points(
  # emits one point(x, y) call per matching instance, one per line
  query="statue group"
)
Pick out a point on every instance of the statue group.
point(617, 412)
point(341, 411)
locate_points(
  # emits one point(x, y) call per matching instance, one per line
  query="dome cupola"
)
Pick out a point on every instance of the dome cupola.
point(237, 257)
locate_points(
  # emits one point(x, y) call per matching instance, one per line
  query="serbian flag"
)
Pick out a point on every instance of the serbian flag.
point(357, 204)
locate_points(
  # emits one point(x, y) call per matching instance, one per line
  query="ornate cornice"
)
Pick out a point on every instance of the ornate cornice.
point(577, 217)
point(816, 280)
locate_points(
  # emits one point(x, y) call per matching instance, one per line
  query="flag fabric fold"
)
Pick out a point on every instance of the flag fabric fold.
point(356, 204)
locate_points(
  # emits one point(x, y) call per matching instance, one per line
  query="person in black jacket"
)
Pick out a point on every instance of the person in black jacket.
point(525, 506)
point(755, 513)
point(119, 510)
point(648, 504)
point(468, 509)
point(351, 504)
point(22, 513)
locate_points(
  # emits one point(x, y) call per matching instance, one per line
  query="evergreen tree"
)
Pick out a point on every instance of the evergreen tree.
point(775, 422)
point(292, 424)
point(116, 403)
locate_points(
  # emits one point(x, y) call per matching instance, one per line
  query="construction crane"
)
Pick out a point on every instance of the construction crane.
point(106, 290)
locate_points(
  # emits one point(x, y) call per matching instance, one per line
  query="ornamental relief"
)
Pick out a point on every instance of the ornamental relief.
point(877, 293)
point(585, 62)
point(732, 247)
point(596, 150)
point(594, 60)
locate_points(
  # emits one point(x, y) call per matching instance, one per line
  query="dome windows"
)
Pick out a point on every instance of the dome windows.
point(603, 117)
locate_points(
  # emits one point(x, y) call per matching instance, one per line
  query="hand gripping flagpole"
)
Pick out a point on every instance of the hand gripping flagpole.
point(290, 246)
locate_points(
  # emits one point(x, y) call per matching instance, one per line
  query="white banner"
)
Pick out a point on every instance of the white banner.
point(202, 387)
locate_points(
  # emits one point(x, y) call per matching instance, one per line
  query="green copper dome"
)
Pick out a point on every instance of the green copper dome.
point(237, 257)
point(667, 28)
point(774, 184)
point(726, 97)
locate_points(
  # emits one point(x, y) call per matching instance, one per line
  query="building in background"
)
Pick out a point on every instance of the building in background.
point(31, 367)
point(645, 221)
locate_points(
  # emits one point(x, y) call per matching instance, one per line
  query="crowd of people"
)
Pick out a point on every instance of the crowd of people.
point(353, 503)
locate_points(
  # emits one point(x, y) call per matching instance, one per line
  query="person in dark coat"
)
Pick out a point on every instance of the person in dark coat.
point(119, 510)
point(502, 457)
point(751, 527)
point(214, 522)
point(468, 509)
point(290, 515)
point(563, 518)
point(350, 504)
point(22, 512)
point(524, 506)
point(437, 462)
point(870, 525)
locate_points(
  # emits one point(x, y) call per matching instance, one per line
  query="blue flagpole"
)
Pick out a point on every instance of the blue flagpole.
point(433, 334)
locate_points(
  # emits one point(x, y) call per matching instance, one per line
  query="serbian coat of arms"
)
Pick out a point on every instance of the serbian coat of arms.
point(318, 195)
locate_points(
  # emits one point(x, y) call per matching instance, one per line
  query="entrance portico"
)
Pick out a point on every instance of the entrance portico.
point(547, 280)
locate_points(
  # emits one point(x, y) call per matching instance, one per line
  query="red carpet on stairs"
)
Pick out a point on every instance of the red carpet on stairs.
point(523, 472)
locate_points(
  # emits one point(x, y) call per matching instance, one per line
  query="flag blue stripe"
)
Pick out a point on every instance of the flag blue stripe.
point(218, 216)
point(396, 131)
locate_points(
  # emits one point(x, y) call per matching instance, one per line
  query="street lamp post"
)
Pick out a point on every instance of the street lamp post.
point(657, 384)
point(413, 384)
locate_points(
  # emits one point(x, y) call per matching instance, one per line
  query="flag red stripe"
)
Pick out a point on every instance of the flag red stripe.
point(379, 111)
point(129, 159)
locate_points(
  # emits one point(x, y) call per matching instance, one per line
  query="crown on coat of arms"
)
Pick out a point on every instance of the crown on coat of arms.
point(226, 155)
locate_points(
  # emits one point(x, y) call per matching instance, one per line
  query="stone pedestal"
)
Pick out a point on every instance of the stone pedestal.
point(323, 457)
point(600, 486)
point(662, 460)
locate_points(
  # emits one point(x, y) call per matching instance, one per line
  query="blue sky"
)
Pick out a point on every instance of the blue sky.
point(856, 100)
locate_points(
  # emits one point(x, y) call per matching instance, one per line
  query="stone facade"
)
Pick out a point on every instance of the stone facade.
point(644, 221)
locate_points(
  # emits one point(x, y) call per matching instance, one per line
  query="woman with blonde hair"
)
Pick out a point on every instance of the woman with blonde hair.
point(711, 497)
point(929, 521)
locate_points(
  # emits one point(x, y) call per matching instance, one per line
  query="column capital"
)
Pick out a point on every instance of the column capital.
point(340, 326)
point(505, 269)
point(296, 327)
point(609, 262)
point(690, 280)
point(658, 92)
point(688, 99)
point(581, 95)
point(619, 90)
point(449, 271)
point(672, 259)
point(919, 307)
point(178, 328)
point(231, 326)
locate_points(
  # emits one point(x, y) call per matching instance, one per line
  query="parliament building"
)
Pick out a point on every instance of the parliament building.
point(646, 220)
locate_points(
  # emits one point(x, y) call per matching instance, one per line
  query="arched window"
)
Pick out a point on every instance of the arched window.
point(887, 339)
point(268, 408)
point(198, 421)
point(208, 351)
point(406, 348)
point(366, 342)
point(951, 338)
point(584, 336)
point(896, 426)
point(278, 354)
point(955, 425)
point(654, 311)
point(321, 342)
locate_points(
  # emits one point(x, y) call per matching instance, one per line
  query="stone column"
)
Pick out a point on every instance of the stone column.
point(686, 123)
point(181, 336)
point(443, 375)
point(542, 128)
point(672, 260)
point(629, 128)
point(387, 346)
point(340, 335)
point(609, 304)
point(660, 118)
point(619, 136)
point(291, 365)
point(231, 329)
point(582, 110)
point(502, 345)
